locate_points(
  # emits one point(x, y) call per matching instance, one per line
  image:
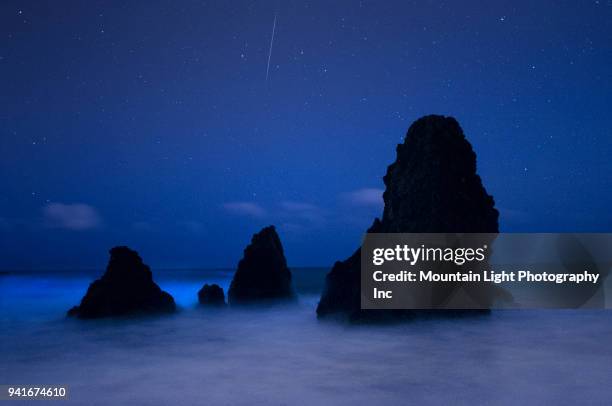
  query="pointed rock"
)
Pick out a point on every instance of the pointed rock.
point(262, 273)
point(126, 288)
point(432, 187)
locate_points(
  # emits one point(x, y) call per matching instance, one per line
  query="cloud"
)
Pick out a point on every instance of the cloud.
point(298, 206)
point(371, 197)
point(76, 216)
point(308, 212)
point(245, 209)
point(193, 226)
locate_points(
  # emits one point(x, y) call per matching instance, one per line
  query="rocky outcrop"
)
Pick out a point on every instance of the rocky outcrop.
point(126, 288)
point(432, 187)
point(211, 295)
point(262, 273)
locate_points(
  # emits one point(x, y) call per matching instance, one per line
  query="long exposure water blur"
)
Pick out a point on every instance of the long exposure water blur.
point(284, 355)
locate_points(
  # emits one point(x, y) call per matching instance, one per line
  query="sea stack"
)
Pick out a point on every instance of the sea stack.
point(432, 187)
point(126, 288)
point(211, 295)
point(262, 274)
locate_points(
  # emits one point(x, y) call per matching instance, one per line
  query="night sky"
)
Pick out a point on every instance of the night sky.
point(152, 124)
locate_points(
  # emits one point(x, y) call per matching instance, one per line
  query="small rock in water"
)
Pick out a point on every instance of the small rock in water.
point(211, 295)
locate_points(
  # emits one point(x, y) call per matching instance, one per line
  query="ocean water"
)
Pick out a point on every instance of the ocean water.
point(284, 356)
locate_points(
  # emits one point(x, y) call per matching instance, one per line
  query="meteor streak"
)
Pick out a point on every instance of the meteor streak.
point(270, 51)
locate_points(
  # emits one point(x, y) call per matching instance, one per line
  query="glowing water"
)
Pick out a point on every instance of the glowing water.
point(284, 355)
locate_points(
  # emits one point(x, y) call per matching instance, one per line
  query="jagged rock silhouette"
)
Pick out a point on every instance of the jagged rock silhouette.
point(432, 187)
point(126, 288)
point(262, 273)
point(211, 295)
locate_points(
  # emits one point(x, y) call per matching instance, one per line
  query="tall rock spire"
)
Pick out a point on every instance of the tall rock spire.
point(432, 187)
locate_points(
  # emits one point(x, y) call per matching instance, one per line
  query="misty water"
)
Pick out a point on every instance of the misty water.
point(283, 355)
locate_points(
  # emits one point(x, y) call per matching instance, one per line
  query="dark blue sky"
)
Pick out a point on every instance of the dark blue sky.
point(152, 124)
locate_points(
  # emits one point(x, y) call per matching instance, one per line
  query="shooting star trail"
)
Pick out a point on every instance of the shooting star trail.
point(270, 51)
